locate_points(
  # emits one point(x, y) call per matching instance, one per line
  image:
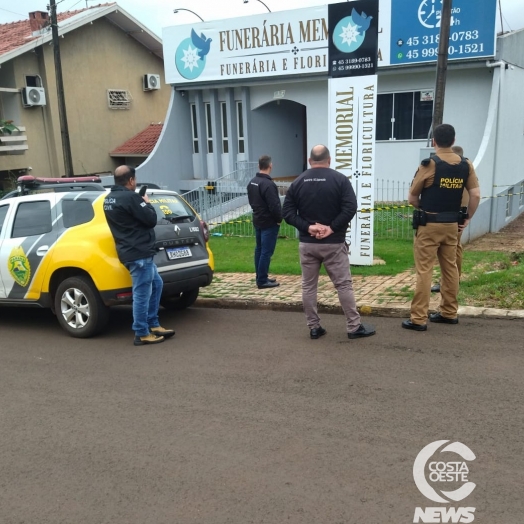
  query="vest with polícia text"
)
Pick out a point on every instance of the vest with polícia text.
point(445, 194)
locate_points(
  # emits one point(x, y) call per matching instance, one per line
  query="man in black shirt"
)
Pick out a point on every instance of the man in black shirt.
point(320, 203)
point(263, 198)
point(132, 219)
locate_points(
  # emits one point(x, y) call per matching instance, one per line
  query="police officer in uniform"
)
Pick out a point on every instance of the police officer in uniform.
point(464, 208)
point(436, 193)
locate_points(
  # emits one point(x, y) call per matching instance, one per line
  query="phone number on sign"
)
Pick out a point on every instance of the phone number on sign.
point(459, 36)
point(352, 66)
point(463, 49)
point(353, 60)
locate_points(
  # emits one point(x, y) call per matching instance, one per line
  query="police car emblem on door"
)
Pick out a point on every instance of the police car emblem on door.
point(19, 267)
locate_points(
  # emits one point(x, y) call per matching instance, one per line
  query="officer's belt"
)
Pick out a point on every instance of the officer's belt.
point(447, 217)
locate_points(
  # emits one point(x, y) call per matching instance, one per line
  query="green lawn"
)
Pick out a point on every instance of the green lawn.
point(492, 279)
point(235, 254)
point(489, 279)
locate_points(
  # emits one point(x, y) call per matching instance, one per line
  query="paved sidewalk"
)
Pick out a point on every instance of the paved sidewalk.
point(376, 295)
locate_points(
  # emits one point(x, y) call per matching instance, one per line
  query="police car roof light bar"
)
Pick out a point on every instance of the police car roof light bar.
point(28, 183)
point(31, 180)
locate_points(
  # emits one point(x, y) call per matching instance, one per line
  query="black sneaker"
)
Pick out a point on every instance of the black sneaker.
point(268, 285)
point(362, 331)
point(317, 332)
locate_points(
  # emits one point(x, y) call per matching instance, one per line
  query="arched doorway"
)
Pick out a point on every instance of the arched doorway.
point(279, 129)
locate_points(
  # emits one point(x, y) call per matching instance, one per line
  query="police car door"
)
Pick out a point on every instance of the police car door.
point(4, 208)
point(25, 243)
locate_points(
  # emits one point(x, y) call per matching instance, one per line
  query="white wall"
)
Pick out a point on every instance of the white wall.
point(510, 143)
point(171, 159)
point(508, 172)
point(466, 108)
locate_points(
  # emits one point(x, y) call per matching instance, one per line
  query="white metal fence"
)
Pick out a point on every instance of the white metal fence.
point(223, 204)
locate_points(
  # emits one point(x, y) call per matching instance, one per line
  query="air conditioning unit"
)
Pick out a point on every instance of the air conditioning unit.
point(151, 82)
point(33, 96)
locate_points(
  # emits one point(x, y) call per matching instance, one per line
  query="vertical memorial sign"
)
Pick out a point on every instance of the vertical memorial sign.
point(353, 49)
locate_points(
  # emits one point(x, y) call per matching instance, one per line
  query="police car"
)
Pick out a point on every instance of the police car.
point(56, 251)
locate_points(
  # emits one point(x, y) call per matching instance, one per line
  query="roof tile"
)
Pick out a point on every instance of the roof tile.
point(17, 34)
point(141, 144)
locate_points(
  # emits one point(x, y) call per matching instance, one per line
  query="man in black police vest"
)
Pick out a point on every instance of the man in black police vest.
point(436, 193)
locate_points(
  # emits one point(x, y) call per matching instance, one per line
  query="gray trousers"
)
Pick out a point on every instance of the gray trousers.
point(336, 261)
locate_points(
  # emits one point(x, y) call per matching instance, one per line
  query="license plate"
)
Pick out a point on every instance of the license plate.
point(174, 253)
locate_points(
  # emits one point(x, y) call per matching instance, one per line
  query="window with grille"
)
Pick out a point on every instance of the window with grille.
point(33, 80)
point(225, 138)
point(194, 128)
point(209, 128)
point(240, 123)
point(403, 116)
point(118, 99)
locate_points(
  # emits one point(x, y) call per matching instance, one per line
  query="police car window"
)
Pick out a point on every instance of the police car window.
point(32, 218)
point(3, 213)
point(76, 212)
point(170, 206)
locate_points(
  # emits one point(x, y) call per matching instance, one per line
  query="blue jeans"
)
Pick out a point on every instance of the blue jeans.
point(266, 242)
point(147, 289)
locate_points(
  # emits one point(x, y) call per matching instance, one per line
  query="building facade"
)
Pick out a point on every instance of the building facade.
point(231, 113)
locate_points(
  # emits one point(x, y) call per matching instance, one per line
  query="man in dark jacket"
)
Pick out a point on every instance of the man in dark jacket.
point(320, 203)
point(132, 219)
point(263, 198)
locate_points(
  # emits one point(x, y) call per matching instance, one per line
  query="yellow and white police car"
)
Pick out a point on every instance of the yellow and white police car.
point(56, 251)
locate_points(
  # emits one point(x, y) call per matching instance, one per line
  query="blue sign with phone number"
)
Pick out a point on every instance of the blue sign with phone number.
point(415, 28)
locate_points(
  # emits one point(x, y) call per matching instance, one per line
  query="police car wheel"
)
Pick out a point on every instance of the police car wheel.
point(182, 301)
point(79, 308)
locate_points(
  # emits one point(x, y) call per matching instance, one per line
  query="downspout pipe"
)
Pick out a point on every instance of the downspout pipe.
point(494, 64)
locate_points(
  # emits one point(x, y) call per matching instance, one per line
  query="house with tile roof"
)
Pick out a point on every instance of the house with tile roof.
point(113, 81)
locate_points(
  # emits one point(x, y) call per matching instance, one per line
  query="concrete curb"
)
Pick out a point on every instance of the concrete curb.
point(470, 311)
point(393, 312)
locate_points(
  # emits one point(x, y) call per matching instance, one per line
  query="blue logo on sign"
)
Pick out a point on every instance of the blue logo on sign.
point(190, 55)
point(350, 32)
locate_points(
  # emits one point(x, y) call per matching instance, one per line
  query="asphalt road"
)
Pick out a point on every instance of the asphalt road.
point(242, 419)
